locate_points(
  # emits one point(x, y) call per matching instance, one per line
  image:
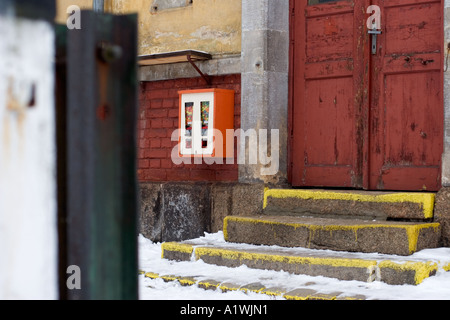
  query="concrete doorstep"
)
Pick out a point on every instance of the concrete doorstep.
point(353, 235)
point(355, 204)
point(390, 269)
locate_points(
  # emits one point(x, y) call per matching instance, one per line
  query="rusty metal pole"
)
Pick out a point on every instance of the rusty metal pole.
point(101, 117)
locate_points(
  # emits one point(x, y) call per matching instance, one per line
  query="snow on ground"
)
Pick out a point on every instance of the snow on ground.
point(433, 288)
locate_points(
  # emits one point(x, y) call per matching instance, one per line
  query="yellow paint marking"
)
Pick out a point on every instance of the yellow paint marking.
point(424, 199)
point(422, 270)
point(176, 247)
point(152, 275)
point(241, 255)
point(412, 230)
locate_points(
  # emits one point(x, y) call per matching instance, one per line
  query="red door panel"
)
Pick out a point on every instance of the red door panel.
point(406, 98)
point(327, 116)
point(363, 120)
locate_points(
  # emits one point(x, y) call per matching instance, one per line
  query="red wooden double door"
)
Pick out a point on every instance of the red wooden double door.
point(367, 118)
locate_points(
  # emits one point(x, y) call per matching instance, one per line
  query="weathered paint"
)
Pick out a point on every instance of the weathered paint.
point(28, 214)
point(362, 120)
point(206, 25)
point(446, 156)
point(425, 200)
point(406, 115)
point(328, 78)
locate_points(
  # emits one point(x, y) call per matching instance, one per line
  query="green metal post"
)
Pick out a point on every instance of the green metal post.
point(102, 187)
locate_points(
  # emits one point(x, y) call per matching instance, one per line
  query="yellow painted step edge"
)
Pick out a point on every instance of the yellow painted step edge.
point(317, 296)
point(412, 231)
point(422, 270)
point(176, 247)
point(426, 199)
point(242, 255)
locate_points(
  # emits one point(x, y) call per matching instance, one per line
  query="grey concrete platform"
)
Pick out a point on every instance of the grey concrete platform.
point(354, 235)
point(390, 269)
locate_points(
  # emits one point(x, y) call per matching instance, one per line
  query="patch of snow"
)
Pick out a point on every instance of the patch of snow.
point(433, 288)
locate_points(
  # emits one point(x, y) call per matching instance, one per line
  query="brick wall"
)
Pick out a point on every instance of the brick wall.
point(158, 118)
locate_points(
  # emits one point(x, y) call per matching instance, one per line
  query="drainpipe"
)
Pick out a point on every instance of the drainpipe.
point(99, 5)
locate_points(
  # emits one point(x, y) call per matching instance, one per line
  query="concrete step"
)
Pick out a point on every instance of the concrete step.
point(400, 238)
point(300, 293)
point(389, 269)
point(365, 204)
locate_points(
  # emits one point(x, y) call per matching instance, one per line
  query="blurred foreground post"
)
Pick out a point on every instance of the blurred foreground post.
point(97, 118)
point(28, 202)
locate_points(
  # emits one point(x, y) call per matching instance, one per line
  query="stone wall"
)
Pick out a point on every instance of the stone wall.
point(175, 211)
point(265, 74)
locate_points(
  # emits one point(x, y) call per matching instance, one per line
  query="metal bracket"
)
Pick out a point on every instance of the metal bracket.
point(204, 75)
point(374, 34)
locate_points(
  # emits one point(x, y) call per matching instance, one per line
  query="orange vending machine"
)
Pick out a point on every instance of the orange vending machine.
point(205, 117)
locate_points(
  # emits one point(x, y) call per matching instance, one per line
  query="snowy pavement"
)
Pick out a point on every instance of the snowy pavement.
point(434, 288)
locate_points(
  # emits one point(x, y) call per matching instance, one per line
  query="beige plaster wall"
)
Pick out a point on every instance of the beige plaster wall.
point(213, 26)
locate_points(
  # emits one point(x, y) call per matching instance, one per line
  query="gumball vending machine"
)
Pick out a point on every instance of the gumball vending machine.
point(205, 117)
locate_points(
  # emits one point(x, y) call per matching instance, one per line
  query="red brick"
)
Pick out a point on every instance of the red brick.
point(166, 164)
point(168, 143)
point(155, 163)
point(173, 113)
point(168, 84)
point(168, 103)
point(144, 164)
point(155, 143)
point(140, 174)
point(154, 175)
point(155, 154)
point(144, 143)
point(141, 154)
point(168, 123)
point(159, 105)
point(142, 124)
point(202, 175)
point(157, 123)
point(174, 94)
point(156, 113)
point(155, 85)
point(158, 94)
point(179, 83)
point(156, 103)
point(177, 175)
point(227, 175)
point(178, 166)
point(155, 133)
